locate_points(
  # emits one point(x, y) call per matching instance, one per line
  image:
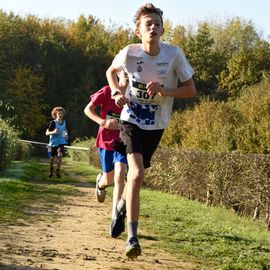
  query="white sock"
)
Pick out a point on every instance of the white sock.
point(121, 205)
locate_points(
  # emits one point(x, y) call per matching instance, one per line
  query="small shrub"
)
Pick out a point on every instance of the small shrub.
point(82, 155)
point(8, 140)
point(22, 151)
point(209, 126)
point(253, 134)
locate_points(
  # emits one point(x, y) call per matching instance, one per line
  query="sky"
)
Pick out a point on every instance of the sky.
point(121, 12)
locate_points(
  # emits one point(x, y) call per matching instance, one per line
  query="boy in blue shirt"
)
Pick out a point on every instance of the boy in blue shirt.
point(57, 130)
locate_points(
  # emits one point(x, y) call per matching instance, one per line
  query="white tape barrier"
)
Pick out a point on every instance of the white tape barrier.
point(66, 146)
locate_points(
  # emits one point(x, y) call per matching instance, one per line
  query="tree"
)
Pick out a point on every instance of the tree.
point(245, 68)
point(24, 93)
point(204, 59)
point(245, 55)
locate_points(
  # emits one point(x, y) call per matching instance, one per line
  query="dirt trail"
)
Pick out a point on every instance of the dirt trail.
point(77, 239)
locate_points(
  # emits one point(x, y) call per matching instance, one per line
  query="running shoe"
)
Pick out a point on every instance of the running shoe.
point(133, 249)
point(118, 224)
point(100, 193)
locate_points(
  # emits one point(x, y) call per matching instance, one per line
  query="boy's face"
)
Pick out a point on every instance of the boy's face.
point(59, 115)
point(150, 28)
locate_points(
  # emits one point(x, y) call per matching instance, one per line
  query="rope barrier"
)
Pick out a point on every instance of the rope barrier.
point(66, 146)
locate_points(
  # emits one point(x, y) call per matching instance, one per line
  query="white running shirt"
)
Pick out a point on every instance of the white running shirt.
point(167, 67)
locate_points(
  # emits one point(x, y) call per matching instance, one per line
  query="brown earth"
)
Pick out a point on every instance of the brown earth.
point(75, 236)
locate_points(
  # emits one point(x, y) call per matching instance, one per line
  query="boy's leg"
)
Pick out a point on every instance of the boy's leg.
point(140, 146)
point(59, 162)
point(51, 166)
point(60, 150)
point(119, 183)
point(53, 155)
point(105, 178)
point(102, 181)
point(119, 205)
point(134, 184)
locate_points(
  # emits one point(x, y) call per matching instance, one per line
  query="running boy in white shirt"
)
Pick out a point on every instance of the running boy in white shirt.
point(154, 69)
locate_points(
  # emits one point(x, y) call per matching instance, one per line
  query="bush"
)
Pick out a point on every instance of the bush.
point(22, 151)
point(253, 132)
point(82, 155)
point(209, 126)
point(8, 140)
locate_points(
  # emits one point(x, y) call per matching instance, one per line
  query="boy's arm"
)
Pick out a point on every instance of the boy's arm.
point(51, 129)
point(111, 75)
point(48, 132)
point(89, 111)
point(187, 90)
point(118, 93)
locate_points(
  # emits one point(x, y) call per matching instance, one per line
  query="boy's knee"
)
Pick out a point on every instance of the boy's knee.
point(136, 177)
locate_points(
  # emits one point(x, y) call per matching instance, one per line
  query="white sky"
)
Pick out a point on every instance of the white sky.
point(121, 12)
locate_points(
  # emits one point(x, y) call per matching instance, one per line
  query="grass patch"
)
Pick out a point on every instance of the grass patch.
point(83, 169)
point(215, 236)
point(25, 189)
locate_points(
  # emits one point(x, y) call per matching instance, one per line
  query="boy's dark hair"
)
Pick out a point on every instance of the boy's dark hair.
point(147, 9)
point(57, 109)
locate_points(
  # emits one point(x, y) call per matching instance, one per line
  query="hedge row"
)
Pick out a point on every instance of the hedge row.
point(233, 180)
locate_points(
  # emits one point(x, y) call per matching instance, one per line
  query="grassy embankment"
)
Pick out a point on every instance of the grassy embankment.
point(214, 238)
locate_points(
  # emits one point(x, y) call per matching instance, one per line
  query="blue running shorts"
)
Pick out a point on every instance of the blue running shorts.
point(108, 158)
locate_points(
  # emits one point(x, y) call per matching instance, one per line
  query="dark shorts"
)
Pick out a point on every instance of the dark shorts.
point(57, 149)
point(136, 140)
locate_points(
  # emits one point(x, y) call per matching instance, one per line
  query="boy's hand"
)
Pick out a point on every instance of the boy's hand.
point(120, 100)
point(111, 124)
point(55, 131)
point(154, 88)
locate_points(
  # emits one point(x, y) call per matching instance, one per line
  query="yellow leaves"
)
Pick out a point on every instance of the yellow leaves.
point(25, 95)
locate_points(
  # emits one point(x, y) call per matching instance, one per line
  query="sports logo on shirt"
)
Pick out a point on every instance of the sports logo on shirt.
point(139, 67)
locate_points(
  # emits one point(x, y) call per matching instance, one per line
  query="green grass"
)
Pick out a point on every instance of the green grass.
point(215, 236)
point(25, 188)
point(210, 237)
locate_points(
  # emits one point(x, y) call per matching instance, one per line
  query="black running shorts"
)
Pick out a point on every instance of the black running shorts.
point(141, 141)
point(57, 149)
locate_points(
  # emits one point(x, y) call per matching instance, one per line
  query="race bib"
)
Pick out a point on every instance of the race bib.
point(112, 115)
point(139, 93)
